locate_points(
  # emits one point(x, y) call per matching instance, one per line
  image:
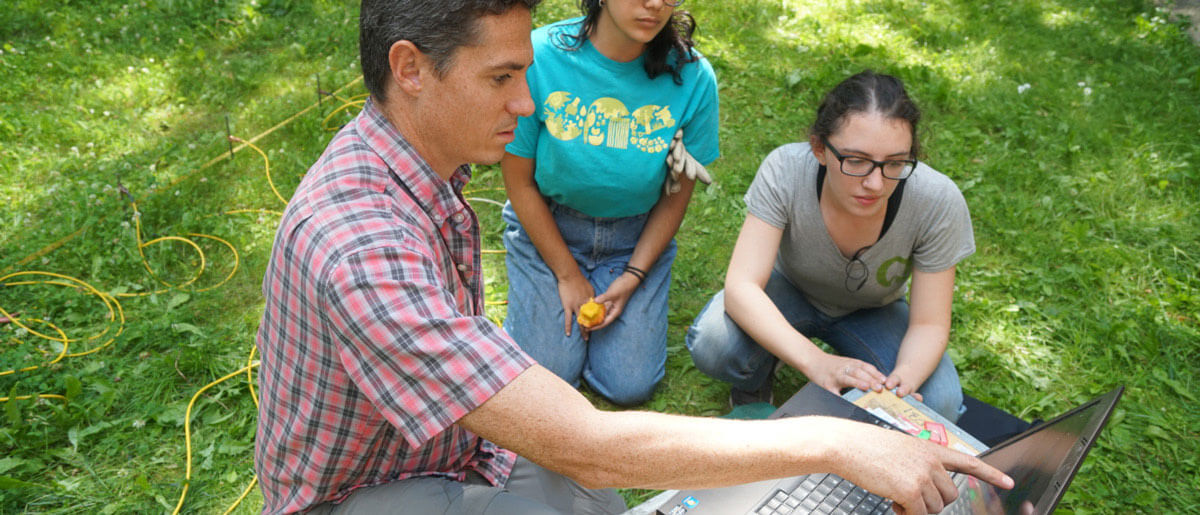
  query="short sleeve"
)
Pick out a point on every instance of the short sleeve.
point(948, 236)
point(772, 191)
point(417, 359)
point(700, 134)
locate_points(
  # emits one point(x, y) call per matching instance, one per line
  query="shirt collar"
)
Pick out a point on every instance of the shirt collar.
point(433, 194)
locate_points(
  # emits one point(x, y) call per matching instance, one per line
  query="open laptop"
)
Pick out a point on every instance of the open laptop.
point(1042, 461)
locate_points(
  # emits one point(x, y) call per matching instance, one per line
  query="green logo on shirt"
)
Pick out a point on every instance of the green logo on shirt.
point(888, 275)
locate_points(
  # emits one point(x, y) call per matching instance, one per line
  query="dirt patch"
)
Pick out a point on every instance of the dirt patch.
point(1189, 9)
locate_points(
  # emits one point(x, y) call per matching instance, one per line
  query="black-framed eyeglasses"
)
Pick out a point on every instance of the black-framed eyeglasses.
point(854, 166)
point(856, 271)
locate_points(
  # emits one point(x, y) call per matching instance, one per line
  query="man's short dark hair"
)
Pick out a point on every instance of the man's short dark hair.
point(437, 27)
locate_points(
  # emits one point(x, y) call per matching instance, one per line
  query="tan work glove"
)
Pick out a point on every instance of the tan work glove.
point(681, 163)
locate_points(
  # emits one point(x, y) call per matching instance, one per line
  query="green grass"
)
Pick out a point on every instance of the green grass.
point(1083, 188)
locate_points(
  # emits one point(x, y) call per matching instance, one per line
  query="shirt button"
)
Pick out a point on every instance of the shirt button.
point(458, 218)
point(463, 268)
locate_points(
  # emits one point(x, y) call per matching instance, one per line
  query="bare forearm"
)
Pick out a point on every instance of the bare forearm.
point(645, 449)
point(542, 418)
point(535, 217)
point(921, 350)
point(928, 325)
point(748, 305)
point(537, 221)
point(661, 225)
point(717, 452)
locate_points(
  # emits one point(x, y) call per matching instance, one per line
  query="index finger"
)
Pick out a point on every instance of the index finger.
point(959, 462)
point(874, 372)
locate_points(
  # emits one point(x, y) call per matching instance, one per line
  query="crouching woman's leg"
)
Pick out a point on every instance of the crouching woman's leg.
point(724, 351)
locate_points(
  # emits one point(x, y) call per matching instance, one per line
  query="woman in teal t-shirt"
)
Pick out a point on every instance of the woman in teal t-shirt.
point(587, 215)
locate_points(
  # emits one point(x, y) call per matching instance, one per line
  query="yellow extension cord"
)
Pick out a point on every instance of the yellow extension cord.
point(116, 312)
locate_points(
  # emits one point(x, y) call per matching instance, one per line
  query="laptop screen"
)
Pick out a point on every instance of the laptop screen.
point(1040, 461)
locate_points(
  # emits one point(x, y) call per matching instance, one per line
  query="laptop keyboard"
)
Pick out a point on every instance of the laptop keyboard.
point(824, 493)
point(830, 494)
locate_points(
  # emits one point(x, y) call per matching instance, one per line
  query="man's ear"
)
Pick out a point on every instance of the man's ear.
point(407, 61)
point(818, 148)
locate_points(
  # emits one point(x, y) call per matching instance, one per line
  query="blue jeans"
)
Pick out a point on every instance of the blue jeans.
point(625, 360)
point(723, 350)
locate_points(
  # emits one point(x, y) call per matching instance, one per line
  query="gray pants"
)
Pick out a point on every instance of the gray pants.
point(531, 489)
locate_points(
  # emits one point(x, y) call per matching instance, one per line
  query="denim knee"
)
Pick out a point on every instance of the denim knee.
point(722, 350)
point(704, 342)
point(947, 402)
point(624, 393)
point(942, 391)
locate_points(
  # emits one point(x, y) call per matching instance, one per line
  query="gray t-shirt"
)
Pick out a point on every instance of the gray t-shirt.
point(931, 231)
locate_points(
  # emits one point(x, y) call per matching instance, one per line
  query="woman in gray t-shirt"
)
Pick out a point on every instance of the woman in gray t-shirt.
point(836, 226)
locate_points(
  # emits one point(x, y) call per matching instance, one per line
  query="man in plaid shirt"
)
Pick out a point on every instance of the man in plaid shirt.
point(383, 384)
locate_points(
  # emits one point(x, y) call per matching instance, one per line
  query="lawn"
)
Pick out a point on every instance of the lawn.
point(133, 245)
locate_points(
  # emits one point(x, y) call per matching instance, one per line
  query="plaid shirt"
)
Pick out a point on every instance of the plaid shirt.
point(374, 341)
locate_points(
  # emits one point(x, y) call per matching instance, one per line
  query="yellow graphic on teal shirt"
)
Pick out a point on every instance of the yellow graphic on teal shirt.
point(606, 122)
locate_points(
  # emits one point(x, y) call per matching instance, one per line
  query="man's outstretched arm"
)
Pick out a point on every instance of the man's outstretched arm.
point(543, 419)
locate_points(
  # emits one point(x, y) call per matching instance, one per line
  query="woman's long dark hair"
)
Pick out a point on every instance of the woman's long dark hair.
point(675, 35)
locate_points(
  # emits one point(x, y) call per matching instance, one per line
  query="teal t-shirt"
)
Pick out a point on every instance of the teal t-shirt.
point(601, 128)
